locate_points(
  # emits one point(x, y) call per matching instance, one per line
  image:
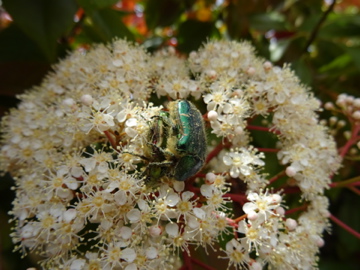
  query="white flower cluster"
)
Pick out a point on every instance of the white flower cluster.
point(239, 85)
point(349, 105)
point(282, 242)
point(78, 149)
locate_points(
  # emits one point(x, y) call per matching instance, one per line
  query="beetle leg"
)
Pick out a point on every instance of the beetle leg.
point(160, 152)
point(136, 155)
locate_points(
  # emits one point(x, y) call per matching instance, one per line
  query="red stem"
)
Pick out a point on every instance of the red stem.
point(344, 226)
point(237, 220)
point(200, 263)
point(231, 222)
point(187, 260)
point(110, 138)
point(217, 150)
point(288, 190)
point(351, 141)
point(276, 177)
point(250, 127)
point(294, 210)
point(354, 189)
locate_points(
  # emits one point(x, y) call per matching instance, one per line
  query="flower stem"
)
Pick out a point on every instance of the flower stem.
point(300, 208)
point(187, 260)
point(250, 127)
point(351, 141)
point(344, 226)
point(355, 190)
point(200, 263)
point(110, 138)
point(346, 183)
point(276, 177)
point(240, 218)
point(217, 150)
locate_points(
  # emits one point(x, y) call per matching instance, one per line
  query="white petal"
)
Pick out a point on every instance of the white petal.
point(151, 253)
point(143, 205)
point(199, 213)
point(106, 224)
point(187, 195)
point(155, 230)
point(234, 172)
point(69, 215)
point(242, 227)
point(117, 62)
point(172, 200)
point(77, 264)
point(125, 232)
point(172, 229)
point(179, 186)
point(120, 197)
point(121, 116)
point(247, 207)
point(193, 222)
point(132, 122)
point(76, 171)
point(134, 215)
point(128, 254)
point(132, 266)
point(206, 190)
point(252, 196)
point(227, 160)
point(210, 177)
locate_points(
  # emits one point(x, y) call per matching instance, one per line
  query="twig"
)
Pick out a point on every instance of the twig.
point(344, 226)
point(318, 25)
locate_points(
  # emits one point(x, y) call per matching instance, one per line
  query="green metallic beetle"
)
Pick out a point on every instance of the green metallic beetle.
point(176, 142)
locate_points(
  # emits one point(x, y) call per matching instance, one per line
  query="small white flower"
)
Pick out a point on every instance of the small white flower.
point(262, 204)
point(237, 254)
point(242, 163)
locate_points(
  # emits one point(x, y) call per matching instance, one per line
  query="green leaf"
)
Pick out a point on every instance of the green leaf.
point(96, 4)
point(44, 21)
point(338, 63)
point(267, 21)
point(354, 54)
point(16, 46)
point(106, 24)
point(160, 13)
point(192, 34)
point(278, 49)
point(341, 25)
point(302, 70)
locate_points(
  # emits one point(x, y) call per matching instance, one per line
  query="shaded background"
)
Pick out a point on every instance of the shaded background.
point(320, 39)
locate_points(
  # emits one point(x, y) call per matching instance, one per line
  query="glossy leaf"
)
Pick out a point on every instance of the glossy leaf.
point(339, 62)
point(193, 33)
point(162, 12)
point(16, 46)
point(341, 26)
point(96, 4)
point(267, 21)
point(106, 24)
point(302, 70)
point(43, 21)
point(354, 53)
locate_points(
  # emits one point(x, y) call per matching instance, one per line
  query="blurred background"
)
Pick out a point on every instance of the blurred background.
point(320, 39)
